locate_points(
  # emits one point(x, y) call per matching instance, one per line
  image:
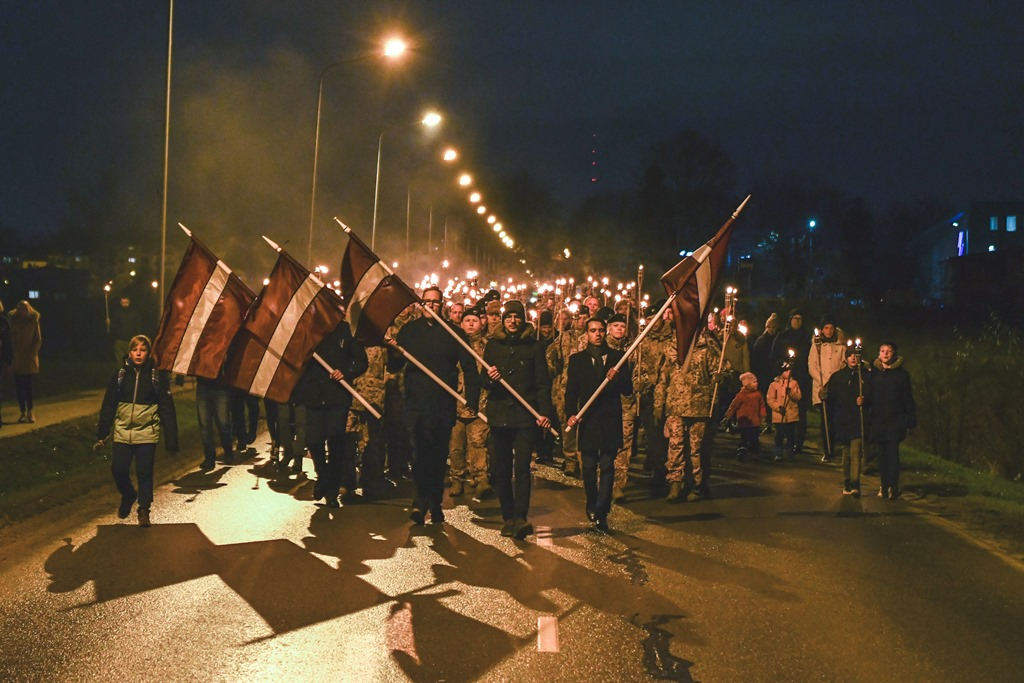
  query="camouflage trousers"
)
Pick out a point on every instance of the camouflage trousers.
point(655, 446)
point(685, 443)
point(467, 450)
point(625, 454)
point(365, 436)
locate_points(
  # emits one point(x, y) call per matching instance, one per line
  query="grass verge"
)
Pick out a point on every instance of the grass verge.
point(47, 467)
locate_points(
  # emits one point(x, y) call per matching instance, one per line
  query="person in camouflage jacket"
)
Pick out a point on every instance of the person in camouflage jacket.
point(467, 455)
point(571, 340)
point(618, 339)
point(682, 395)
point(364, 434)
point(396, 436)
point(647, 364)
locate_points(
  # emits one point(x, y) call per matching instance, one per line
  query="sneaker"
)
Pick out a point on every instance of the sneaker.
point(508, 528)
point(894, 494)
point(23, 419)
point(457, 487)
point(31, 417)
point(825, 459)
point(675, 492)
point(144, 518)
point(522, 529)
point(777, 458)
point(881, 492)
point(125, 508)
point(847, 491)
point(601, 524)
point(855, 493)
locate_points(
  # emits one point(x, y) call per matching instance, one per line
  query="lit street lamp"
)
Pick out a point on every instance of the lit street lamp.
point(431, 120)
point(393, 50)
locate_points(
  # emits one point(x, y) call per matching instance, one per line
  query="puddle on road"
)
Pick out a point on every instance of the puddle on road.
point(633, 566)
point(659, 662)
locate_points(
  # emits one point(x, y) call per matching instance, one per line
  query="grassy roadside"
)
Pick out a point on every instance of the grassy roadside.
point(48, 467)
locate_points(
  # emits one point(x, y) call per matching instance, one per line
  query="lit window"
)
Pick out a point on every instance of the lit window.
point(1011, 224)
point(993, 224)
point(961, 246)
point(33, 294)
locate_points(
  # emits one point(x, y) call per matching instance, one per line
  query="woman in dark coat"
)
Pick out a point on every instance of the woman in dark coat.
point(600, 429)
point(893, 415)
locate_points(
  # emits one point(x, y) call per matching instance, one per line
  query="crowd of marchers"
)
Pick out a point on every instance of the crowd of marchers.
point(454, 424)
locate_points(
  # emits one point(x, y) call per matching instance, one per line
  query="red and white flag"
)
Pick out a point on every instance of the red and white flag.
point(373, 294)
point(205, 307)
point(293, 313)
point(693, 281)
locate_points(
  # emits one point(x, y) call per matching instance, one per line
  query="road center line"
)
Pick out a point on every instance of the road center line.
point(547, 634)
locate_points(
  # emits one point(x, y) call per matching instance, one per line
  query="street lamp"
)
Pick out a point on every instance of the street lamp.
point(431, 120)
point(393, 50)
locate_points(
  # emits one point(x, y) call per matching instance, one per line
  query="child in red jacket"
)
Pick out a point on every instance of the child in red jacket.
point(748, 409)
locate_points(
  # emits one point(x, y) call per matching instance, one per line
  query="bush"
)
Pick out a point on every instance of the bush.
point(969, 397)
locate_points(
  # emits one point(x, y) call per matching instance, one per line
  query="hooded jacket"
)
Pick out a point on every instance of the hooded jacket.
point(26, 340)
point(842, 390)
point(784, 408)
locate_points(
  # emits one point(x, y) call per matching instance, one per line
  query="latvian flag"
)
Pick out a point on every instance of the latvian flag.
point(693, 280)
point(373, 294)
point(293, 314)
point(205, 307)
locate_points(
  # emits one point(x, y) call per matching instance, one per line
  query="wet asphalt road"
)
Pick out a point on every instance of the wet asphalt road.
point(244, 578)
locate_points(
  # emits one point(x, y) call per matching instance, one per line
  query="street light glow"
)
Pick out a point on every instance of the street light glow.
point(492, 219)
point(475, 197)
point(465, 180)
point(450, 154)
point(481, 210)
point(394, 48)
point(431, 119)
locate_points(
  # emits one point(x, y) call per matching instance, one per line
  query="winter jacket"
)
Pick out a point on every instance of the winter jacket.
point(434, 347)
point(893, 411)
point(26, 340)
point(520, 360)
point(315, 388)
point(761, 359)
point(824, 359)
point(747, 408)
point(784, 408)
point(601, 425)
point(685, 390)
point(370, 384)
point(138, 406)
point(650, 357)
point(478, 341)
point(737, 354)
point(841, 392)
point(800, 342)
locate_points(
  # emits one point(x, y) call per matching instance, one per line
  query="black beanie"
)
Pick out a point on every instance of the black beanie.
point(546, 318)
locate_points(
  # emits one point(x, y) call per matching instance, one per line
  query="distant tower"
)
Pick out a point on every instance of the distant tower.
point(593, 158)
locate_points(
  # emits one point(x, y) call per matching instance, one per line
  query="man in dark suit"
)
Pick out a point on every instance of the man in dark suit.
point(600, 429)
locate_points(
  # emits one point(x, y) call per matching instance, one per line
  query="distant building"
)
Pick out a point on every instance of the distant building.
point(974, 255)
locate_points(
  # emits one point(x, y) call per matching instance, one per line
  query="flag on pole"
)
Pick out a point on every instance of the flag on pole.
point(205, 307)
point(692, 281)
point(293, 313)
point(373, 294)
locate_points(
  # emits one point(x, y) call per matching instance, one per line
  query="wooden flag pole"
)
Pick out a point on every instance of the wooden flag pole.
point(348, 387)
point(426, 371)
point(486, 367)
point(625, 357)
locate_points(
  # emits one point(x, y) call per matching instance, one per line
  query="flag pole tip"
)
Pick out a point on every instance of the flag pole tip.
point(185, 230)
point(343, 226)
point(272, 243)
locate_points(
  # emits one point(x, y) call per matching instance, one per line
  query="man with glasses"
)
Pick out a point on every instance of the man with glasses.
point(429, 412)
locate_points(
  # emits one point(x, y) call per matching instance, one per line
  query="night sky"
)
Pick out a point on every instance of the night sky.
point(890, 101)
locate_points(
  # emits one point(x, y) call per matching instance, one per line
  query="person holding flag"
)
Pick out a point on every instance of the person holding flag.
point(429, 412)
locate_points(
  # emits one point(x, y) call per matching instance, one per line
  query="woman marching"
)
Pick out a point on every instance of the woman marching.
point(137, 406)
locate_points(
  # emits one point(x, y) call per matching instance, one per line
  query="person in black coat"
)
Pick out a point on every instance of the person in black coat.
point(516, 356)
point(323, 406)
point(6, 352)
point(848, 391)
point(893, 415)
point(429, 411)
point(600, 428)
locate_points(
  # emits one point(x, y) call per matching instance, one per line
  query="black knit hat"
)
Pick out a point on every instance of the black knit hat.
point(514, 306)
point(546, 318)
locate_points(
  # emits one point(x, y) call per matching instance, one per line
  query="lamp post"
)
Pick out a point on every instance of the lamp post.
point(394, 48)
point(431, 120)
point(167, 149)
